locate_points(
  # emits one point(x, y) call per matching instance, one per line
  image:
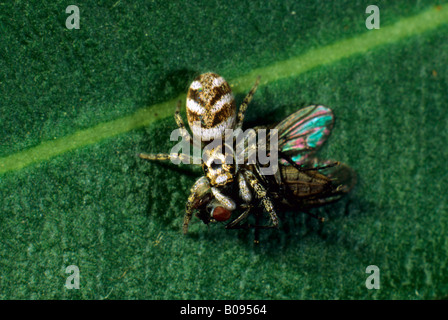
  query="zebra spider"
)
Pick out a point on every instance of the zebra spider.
point(211, 109)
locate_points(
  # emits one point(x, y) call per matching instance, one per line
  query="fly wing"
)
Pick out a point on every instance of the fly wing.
point(325, 182)
point(341, 179)
point(303, 133)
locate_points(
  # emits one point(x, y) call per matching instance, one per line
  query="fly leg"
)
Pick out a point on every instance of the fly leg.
point(257, 227)
point(234, 224)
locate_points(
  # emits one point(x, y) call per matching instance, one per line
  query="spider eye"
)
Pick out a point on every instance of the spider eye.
point(216, 165)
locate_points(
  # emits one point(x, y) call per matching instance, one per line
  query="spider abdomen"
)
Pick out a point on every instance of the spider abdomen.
point(211, 106)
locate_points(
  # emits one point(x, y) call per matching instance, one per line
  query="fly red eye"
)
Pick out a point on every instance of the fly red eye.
point(221, 214)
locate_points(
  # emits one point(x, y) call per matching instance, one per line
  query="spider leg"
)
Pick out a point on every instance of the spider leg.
point(262, 194)
point(246, 195)
point(224, 200)
point(180, 123)
point(173, 157)
point(197, 193)
point(244, 191)
point(245, 103)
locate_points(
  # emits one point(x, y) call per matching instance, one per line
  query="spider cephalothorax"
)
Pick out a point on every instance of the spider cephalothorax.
point(211, 110)
point(219, 165)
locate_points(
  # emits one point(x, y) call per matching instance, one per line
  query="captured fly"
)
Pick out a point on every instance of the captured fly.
point(302, 180)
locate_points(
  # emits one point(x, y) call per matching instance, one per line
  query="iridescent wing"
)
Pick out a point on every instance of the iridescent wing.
point(302, 133)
